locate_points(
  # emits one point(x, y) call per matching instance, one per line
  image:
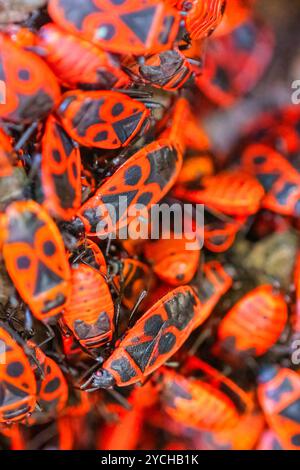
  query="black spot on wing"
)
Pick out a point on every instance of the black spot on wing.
point(81, 329)
point(117, 207)
point(52, 385)
point(153, 325)
point(123, 367)
point(126, 127)
point(180, 309)
point(283, 195)
point(276, 393)
point(296, 440)
point(15, 369)
point(76, 11)
point(162, 166)
point(222, 79)
point(23, 227)
point(141, 353)
point(166, 343)
point(133, 175)
point(64, 190)
point(46, 279)
point(66, 141)
point(88, 115)
point(140, 22)
point(292, 411)
point(267, 180)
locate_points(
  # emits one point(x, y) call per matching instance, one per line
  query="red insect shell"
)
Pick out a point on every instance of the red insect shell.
point(29, 96)
point(156, 336)
point(279, 396)
point(143, 179)
point(231, 192)
point(235, 62)
point(78, 63)
point(102, 119)
point(214, 284)
point(220, 235)
point(255, 323)
point(17, 381)
point(198, 403)
point(171, 260)
point(90, 311)
point(60, 171)
point(35, 258)
point(279, 178)
point(129, 27)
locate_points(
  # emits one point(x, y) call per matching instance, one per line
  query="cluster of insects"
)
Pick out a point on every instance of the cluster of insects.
point(126, 343)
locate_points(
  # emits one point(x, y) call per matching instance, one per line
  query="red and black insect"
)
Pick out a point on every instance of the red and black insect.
point(279, 178)
point(29, 97)
point(161, 331)
point(89, 313)
point(17, 381)
point(169, 70)
point(78, 63)
point(254, 323)
point(214, 283)
point(89, 253)
point(142, 180)
point(60, 167)
point(102, 119)
point(35, 258)
point(125, 27)
point(235, 62)
point(244, 436)
point(156, 336)
point(219, 235)
point(279, 397)
point(203, 397)
point(232, 193)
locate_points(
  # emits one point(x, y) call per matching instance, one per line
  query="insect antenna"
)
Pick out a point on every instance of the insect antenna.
point(119, 398)
point(142, 296)
point(26, 136)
